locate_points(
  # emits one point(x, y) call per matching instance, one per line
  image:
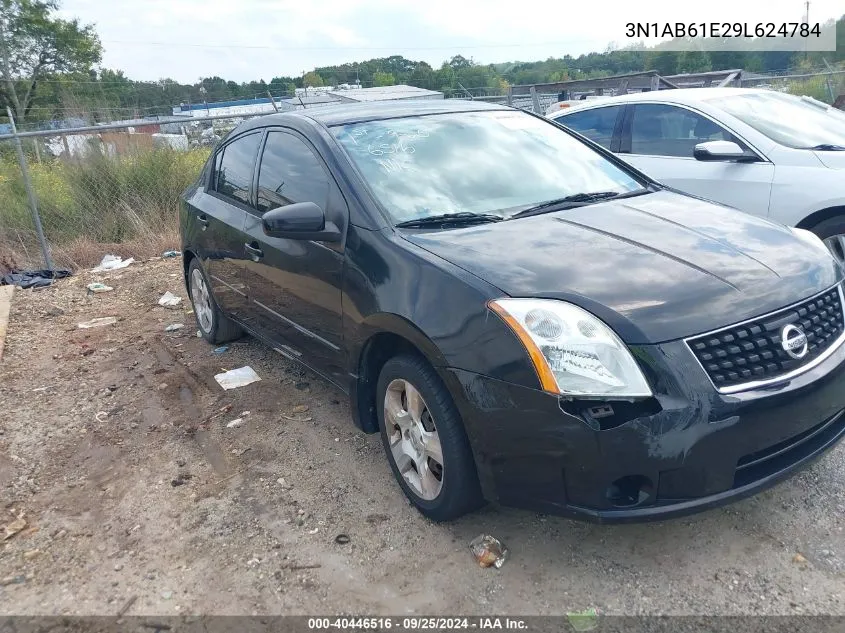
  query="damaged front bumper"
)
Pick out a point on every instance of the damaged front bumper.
point(688, 449)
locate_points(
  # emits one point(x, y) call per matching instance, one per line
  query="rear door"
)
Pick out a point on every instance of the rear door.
point(659, 140)
point(221, 214)
point(295, 284)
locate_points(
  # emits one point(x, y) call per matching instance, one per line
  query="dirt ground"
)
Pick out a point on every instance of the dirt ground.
point(137, 496)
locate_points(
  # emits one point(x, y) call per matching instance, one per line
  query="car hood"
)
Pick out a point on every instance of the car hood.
point(656, 267)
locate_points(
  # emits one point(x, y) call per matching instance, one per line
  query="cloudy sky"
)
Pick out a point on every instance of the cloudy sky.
point(260, 39)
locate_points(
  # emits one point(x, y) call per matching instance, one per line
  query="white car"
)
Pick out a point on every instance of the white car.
point(763, 152)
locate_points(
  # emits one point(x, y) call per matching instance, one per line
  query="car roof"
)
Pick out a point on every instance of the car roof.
point(676, 95)
point(372, 111)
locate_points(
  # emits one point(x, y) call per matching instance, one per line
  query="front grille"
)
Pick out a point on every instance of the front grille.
point(753, 351)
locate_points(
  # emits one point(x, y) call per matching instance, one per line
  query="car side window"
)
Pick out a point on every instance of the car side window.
point(665, 130)
point(289, 173)
point(596, 124)
point(234, 167)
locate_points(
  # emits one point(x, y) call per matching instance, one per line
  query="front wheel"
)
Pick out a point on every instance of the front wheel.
point(425, 441)
point(832, 233)
point(215, 326)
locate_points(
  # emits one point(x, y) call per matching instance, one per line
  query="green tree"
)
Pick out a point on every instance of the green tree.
point(383, 79)
point(664, 62)
point(312, 80)
point(693, 61)
point(35, 44)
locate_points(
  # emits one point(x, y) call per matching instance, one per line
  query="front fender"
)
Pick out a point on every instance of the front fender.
point(392, 286)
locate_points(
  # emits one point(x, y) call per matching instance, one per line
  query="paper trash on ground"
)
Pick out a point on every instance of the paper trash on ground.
point(97, 322)
point(235, 378)
point(112, 262)
point(98, 287)
point(169, 300)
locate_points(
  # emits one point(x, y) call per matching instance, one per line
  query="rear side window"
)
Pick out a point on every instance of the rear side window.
point(233, 168)
point(289, 173)
point(665, 130)
point(596, 124)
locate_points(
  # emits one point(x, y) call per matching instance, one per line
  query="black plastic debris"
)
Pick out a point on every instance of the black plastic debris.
point(33, 278)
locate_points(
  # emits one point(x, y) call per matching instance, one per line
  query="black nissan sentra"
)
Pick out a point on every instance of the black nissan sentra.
point(525, 319)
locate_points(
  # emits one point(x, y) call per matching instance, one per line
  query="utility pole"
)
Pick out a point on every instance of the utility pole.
point(273, 101)
point(807, 22)
point(30, 194)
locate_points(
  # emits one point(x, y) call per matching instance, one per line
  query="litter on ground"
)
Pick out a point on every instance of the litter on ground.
point(488, 551)
point(174, 326)
point(112, 262)
point(235, 378)
point(98, 287)
point(99, 322)
point(33, 278)
point(169, 300)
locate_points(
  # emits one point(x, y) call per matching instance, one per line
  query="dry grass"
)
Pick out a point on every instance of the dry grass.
point(125, 205)
point(85, 252)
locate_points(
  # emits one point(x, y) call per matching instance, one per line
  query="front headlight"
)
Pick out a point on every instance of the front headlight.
point(573, 352)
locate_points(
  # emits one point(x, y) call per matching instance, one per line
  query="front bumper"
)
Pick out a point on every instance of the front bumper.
point(700, 450)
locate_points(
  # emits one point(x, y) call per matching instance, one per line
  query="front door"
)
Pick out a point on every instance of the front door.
point(295, 285)
point(659, 139)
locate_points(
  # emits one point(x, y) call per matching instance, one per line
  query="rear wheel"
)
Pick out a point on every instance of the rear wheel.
point(214, 326)
point(425, 441)
point(832, 233)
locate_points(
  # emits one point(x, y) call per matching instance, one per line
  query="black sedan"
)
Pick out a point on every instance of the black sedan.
point(524, 318)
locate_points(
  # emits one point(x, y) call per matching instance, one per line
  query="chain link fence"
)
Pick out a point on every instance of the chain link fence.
point(104, 189)
point(824, 87)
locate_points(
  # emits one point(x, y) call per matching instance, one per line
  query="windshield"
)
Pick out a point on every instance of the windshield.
point(497, 162)
point(789, 120)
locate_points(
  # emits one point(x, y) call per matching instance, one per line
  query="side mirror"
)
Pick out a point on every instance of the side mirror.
point(722, 151)
point(300, 221)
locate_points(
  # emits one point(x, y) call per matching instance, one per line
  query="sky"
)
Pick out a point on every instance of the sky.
point(242, 40)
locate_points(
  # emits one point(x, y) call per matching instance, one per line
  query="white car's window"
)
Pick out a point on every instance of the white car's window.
point(786, 119)
point(477, 162)
point(596, 124)
point(665, 130)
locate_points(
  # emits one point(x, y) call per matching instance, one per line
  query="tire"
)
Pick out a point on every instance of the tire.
point(830, 228)
point(459, 491)
point(216, 327)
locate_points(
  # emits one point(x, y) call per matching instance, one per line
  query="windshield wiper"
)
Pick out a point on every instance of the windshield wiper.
point(828, 147)
point(462, 217)
point(575, 200)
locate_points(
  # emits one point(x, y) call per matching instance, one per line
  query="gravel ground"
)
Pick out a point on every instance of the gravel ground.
point(138, 497)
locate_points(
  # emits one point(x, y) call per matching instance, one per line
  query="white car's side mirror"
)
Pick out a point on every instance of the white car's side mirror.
point(721, 151)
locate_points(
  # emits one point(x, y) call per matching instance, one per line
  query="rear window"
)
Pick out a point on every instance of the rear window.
point(233, 173)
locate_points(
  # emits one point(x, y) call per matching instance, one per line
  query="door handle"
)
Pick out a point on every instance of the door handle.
point(254, 251)
point(203, 220)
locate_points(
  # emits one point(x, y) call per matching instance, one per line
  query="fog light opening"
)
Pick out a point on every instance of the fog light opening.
point(630, 491)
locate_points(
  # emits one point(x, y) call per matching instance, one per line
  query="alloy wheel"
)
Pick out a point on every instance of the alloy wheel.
point(414, 442)
point(202, 301)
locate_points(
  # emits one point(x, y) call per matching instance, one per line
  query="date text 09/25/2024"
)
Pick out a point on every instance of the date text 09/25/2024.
point(416, 623)
point(723, 29)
